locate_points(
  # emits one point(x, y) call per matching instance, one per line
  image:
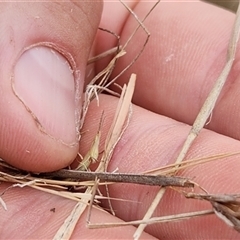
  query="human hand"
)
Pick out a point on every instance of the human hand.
point(174, 75)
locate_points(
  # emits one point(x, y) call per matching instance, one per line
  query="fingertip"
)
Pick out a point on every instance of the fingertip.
point(43, 62)
point(30, 149)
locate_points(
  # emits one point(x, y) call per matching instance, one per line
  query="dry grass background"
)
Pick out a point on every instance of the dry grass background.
point(231, 5)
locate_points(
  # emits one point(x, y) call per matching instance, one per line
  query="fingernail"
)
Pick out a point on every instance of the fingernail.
point(43, 80)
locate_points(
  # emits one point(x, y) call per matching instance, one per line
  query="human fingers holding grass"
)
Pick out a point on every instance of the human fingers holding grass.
point(174, 75)
point(42, 77)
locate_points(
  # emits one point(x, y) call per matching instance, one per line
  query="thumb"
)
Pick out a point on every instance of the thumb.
point(44, 53)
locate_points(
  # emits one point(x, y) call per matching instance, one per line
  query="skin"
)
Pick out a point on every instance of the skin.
point(184, 57)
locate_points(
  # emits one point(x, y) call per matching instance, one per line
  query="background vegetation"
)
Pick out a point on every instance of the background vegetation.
point(231, 5)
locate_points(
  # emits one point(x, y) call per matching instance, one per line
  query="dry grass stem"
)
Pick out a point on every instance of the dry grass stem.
point(94, 191)
point(140, 25)
point(121, 117)
point(115, 132)
point(202, 116)
point(3, 204)
point(93, 153)
point(104, 54)
point(170, 168)
point(227, 207)
point(211, 100)
point(66, 230)
point(93, 90)
point(154, 220)
point(120, 123)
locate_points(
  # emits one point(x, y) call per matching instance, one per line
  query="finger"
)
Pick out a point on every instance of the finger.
point(152, 141)
point(34, 214)
point(182, 60)
point(43, 57)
